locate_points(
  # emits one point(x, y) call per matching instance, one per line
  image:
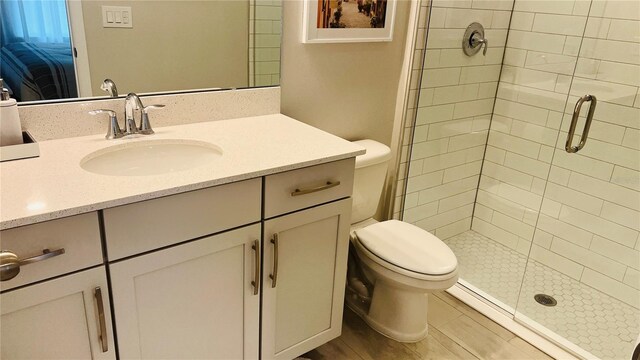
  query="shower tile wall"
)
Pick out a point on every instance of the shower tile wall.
point(453, 115)
point(265, 26)
point(589, 221)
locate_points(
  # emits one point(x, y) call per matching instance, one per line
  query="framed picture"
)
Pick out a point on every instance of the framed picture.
point(335, 21)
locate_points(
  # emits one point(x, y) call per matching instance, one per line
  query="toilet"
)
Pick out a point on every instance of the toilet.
point(393, 265)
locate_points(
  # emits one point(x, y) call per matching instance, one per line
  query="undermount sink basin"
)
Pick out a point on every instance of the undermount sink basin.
point(150, 157)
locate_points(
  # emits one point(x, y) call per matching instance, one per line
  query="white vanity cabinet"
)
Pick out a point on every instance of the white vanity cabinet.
point(306, 243)
point(52, 308)
point(197, 300)
point(304, 274)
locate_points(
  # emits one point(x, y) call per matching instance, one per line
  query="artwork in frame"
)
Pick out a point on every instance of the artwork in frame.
point(335, 21)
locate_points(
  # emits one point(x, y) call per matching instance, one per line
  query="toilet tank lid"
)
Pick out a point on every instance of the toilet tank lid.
point(376, 153)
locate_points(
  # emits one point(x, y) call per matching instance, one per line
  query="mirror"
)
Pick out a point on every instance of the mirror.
point(64, 49)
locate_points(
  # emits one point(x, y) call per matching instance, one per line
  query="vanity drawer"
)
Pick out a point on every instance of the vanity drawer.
point(147, 225)
point(79, 236)
point(310, 186)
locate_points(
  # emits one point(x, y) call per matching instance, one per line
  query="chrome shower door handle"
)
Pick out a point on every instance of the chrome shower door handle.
point(574, 122)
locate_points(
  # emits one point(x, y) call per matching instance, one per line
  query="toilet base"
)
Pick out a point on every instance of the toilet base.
point(394, 312)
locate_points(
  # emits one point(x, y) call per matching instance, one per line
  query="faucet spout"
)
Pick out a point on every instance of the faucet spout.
point(131, 103)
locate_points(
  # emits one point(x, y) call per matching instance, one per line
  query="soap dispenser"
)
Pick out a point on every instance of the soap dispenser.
point(10, 130)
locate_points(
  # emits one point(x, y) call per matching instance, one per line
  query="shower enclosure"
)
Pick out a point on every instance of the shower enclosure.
point(544, 230)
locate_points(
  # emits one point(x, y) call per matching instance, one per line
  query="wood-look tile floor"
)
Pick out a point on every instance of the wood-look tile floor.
point(456, 331)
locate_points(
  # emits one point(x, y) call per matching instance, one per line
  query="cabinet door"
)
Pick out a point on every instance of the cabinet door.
point(302, 306)
point(58, 319)
point(191, 301)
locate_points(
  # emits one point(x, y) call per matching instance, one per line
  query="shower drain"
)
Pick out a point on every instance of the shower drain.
point(546, 300)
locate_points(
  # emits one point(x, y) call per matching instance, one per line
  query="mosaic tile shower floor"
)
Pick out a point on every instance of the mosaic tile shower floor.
point(598, 323)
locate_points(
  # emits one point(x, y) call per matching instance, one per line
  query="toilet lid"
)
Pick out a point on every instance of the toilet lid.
point(409, 247)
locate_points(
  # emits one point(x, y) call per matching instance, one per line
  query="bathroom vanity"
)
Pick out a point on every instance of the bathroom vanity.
point(241, 257)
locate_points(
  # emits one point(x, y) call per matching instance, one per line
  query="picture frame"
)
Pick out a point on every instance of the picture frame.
point(355, 23)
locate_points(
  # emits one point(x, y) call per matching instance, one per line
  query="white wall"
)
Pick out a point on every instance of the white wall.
point(348, 90)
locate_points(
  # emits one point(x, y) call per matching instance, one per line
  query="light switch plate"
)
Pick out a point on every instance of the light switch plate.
point(117, 17)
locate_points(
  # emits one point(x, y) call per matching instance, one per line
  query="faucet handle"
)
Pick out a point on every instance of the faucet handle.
point(145, 125)
point(114, 131)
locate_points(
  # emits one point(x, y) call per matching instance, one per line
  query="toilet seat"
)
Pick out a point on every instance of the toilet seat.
point(406, 247)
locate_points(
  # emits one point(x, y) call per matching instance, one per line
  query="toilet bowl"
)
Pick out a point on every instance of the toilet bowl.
point(393, 265)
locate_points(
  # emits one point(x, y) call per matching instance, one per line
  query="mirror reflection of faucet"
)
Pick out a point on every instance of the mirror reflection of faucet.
point(132, 103)
point(110, 87)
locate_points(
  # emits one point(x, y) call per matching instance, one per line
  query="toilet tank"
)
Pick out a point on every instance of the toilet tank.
point(369, 177)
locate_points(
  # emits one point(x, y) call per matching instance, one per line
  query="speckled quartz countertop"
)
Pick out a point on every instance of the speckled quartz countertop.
point(54, 185)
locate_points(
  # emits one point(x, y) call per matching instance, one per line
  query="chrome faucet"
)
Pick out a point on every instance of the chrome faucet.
point(131, 103)
point(110, 87)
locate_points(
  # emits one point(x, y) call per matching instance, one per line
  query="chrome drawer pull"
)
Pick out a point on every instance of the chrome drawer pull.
point(328, 185)
point(574, 122)
point(10, 263)
point(102, 324)
point(274, 273)
point(256, 275)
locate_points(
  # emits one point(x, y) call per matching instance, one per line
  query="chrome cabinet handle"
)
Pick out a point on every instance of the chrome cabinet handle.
point(102, 324)
point(274, 273)
point(574, 122)
point(10, 263)
point(256, 275)
point(328, 185)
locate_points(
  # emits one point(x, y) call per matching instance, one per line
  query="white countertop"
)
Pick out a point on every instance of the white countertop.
point(54, 185)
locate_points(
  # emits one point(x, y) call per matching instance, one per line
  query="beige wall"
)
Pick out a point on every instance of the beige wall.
point(346, 89)
point(158, 53)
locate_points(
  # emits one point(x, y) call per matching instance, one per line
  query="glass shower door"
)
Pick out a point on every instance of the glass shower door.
point(582, 279)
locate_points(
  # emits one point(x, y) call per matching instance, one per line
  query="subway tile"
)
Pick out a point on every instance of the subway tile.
point(495, 233)
point(501, 19)
point(457, 93)
point(545, 6)
point(540, 134)
point(624, 30)
point(526, 165)
point(481, 123)
point(620, 9)
point(522, 20)
point(452, 3)
point(572, 45)
point(541, 98)
point(606, 91)
point(443, 39)
point(556, 262)
point(609, 286)
point(574, 198)
point(461, 18)
point(546, 154)
point(424, 181)
point(495, 155)
point(597, 27)
point(453, 229)
point(530, 78)
point(473, 108)
point(515, 110)
point(446, 218)
point(507, 175)
point(420, 212)
point(429, 148)
point(500, 204)
point(493, 4)
point(477, 74)
point(434, 114)
point(542, 239)
point(588, 258)
point(467, 141)
point(612, 153)
point(631, 138)
point(520, 196)
point(550, 207)
point(553, 63)
point(619, 115)
point(621, 215)
point(456, 201)
point(632, 278)
point(483, 212)
point(582, 164)
point(515, 57)
point(559, 24)
point(498, 40)
point(440, 77)
point(628, 74)
point(538, 186)
point(446, 190)
point(618, 51)
point(615, 251)
point(559, 175)
point(487, 90)
point(443, 161)
point(501, 124)
point(438, 17)
point(565, 231)
point(606, 190)
point(514, 144)
point(598, 225)
point(462, 171)
point(626, 177)
point(514, 226)
point(581, 7)
point(449, 128)
point(536, 41)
